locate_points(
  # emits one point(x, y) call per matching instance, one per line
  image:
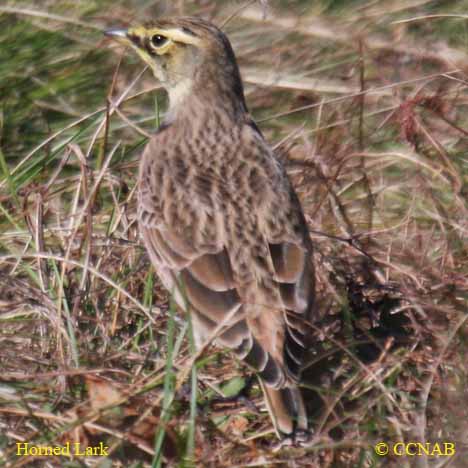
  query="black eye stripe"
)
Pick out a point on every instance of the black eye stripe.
point(134, 38)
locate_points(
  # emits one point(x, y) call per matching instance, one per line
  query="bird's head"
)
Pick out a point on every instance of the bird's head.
point(188, 55)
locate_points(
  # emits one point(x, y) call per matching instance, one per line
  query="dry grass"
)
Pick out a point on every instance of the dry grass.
point(370, 115)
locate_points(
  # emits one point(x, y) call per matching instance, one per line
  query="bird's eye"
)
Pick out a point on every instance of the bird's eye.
point(158, 40)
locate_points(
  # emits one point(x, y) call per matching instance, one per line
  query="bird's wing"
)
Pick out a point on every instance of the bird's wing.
point(294, 278)
point(201, 282)
point(266, 329)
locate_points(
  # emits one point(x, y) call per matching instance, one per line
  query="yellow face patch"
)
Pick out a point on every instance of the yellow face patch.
point(162, 49)
point(159, 40)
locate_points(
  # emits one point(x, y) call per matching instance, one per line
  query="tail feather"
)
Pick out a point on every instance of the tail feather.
point(286, 408)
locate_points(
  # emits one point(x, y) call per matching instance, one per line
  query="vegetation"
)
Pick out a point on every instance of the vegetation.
point(367, 103)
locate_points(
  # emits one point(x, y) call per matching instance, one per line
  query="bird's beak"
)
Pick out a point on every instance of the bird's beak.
point(120, 35)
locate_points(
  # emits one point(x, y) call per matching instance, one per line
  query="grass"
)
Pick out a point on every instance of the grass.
point(366, 103)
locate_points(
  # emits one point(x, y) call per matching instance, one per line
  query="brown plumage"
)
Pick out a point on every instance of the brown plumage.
point(218, 216)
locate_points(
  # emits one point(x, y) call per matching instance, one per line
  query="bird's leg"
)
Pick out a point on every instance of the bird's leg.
point(299, 438)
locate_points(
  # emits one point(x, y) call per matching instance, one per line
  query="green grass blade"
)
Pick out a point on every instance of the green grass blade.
point(169, 386)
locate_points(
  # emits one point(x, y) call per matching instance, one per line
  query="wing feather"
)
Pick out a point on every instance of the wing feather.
point(213, 271)
point(206, 282)
point(214, 304)
point(288, 260)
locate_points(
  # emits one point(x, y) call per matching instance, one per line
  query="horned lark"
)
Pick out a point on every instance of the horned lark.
point(218, 216)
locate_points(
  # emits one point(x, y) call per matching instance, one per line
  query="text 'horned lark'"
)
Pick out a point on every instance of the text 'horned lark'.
point(222, 225)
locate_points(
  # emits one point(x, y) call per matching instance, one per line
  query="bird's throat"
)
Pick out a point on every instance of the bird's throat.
point(179, 94)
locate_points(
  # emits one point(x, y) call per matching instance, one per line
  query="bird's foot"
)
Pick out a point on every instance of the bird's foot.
point(299, 438)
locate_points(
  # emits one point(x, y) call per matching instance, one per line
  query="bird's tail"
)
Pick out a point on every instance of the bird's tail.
point(286, 408)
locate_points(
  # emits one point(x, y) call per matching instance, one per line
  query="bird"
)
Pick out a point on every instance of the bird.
point(221, 223)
